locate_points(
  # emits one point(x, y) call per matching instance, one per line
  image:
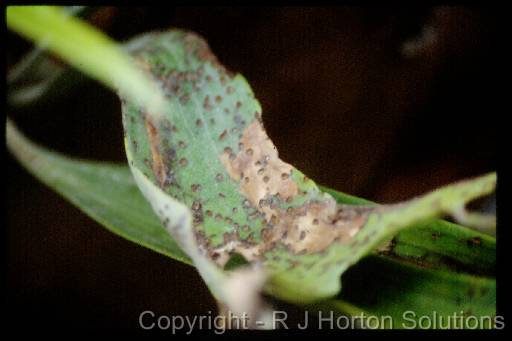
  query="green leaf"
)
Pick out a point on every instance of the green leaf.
point(438, 243)
point(407, 293)
point(105, 192)
point(208, 149)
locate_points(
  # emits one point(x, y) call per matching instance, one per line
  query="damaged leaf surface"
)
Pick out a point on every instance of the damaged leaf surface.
point(437, 244)
point(208, 150)
point(109, 195)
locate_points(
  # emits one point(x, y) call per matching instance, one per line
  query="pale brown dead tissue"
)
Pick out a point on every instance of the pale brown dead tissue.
point(158, 165)
point(309, 228)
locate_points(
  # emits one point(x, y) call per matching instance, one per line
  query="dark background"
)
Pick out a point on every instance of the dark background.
point(340, 99)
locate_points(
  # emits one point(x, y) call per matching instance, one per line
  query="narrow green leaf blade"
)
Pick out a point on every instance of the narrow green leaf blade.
point(407, 293)
point(105, 192)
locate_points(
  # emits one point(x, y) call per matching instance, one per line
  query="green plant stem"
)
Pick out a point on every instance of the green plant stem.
point(86, 48)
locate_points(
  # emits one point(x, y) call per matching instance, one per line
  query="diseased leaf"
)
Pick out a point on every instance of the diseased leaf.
point(109, 195)
point(437, 243)
point(208, 150)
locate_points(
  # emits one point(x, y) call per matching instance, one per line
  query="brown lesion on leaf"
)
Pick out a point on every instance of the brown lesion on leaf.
point(158, 165)
point(265, 182)
point(262, 183)
point(264, 179)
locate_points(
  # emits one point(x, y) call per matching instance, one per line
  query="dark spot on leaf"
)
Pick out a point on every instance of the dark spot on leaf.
point(250, 238)
point(206, 103)
point(199, 123)
point(477, 241)
point(183, 162)
point(198, 218)
point(219, 177)
point(261, 203)
point(223, 135)
point(274, 220)
point(196, 205)
point(266, 234)
point(147, 163)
